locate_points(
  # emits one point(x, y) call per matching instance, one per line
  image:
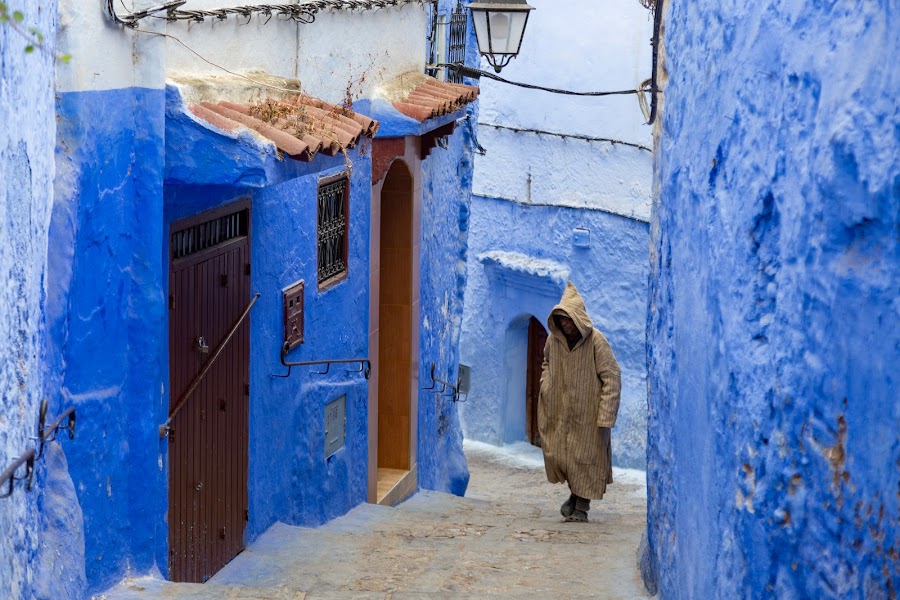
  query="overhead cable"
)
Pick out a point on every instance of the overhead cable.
point(478, 73)
point(303, 12)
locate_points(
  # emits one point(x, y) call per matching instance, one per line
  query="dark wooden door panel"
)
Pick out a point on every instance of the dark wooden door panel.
point(537, 337)
point(208, 438)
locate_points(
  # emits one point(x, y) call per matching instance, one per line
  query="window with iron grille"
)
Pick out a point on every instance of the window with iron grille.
point(333, 228)
point(458, 35)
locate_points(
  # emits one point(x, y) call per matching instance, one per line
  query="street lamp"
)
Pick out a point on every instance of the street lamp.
point(499, 27)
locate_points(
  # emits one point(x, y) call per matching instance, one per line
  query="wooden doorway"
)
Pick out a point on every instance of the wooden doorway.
point(395, 328)
point(537, 337)
point(209, 290)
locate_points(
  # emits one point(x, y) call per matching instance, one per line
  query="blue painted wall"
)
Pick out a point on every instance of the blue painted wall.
point(110, 329)
point(290, 479)
point(121, 182)
point(774, 461)
point(106, 314)
point(611, 275)
point(39, 533)
point(446, 196)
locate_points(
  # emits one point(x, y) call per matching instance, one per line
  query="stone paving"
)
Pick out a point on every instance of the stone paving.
point(505, 539)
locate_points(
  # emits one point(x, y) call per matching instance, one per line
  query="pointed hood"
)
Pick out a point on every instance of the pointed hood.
point(571, 305)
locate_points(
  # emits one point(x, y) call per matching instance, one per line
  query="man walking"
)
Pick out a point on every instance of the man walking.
point(579, 402)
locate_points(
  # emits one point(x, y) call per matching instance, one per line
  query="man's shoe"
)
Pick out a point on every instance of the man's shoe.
point(568, 507)
point(577, 516)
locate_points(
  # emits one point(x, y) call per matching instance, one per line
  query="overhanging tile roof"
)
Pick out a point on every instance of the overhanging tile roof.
point(434, 98)
point(421, 97)
point(300, 126)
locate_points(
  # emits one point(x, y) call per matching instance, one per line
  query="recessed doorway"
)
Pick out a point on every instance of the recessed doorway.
point(395, 315)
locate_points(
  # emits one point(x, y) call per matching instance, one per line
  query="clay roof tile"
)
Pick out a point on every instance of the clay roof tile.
point(283, 141)
point(433, 98)
point(301, 127)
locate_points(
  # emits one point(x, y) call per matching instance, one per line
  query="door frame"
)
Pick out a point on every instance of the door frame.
point(388, 151)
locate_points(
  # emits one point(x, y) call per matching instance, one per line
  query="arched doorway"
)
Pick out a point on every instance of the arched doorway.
point(537, 337)
point(395, 328)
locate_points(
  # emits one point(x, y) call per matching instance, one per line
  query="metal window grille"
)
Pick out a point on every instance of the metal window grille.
point(209, 234)
point(458, 34)
point(332, 229)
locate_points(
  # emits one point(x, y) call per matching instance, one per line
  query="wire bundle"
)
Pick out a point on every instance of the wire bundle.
point(304, 12)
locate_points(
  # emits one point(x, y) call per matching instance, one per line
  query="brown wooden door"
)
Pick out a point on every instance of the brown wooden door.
point(537, 337)
point(209, 290)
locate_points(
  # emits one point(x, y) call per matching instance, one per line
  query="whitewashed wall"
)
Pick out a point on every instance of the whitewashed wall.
point(583, 45)
point(340, 50)
point(104, 55)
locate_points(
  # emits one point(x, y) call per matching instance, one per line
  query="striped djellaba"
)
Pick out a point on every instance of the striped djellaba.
point(579, 402)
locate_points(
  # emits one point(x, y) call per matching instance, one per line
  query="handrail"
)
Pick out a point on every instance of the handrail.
point(165, 427)
point(365, 365)
point(445, 385)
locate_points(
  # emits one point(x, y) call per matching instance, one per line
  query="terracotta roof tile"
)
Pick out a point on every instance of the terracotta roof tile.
point(432, 98)
point(301, 127)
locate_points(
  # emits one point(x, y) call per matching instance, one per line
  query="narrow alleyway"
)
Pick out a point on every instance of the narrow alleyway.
point(506, 539)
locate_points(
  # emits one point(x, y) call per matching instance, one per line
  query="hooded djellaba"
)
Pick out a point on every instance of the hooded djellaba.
point(579, 403)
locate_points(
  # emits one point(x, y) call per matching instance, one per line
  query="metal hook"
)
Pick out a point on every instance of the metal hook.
point(10, 473)
point(42, 420)
point(433, 383)
point(365, 365)
point(325, 372)
point(10, 492)
point(29, 473)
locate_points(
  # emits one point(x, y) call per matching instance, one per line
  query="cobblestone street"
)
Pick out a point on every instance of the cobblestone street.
point(506, 539)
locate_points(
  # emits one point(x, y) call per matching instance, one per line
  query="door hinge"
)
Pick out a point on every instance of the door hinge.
point(221, 533)
point(246, 389)
point(246, 514)
point(247, 269)
point(171, 435)
point(171, 301)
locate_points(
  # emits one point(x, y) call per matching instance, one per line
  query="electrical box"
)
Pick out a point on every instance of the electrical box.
point(335, 425)
point(581, 237)
point(293, 314)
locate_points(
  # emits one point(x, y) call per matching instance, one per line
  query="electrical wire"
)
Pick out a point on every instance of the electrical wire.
point(573, 136)
point(478, 73)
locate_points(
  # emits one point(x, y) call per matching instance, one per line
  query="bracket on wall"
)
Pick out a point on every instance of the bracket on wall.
point(45, 433)
point(437, 137)
point(48, 433)
point(455, 390)
point(365, 365)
